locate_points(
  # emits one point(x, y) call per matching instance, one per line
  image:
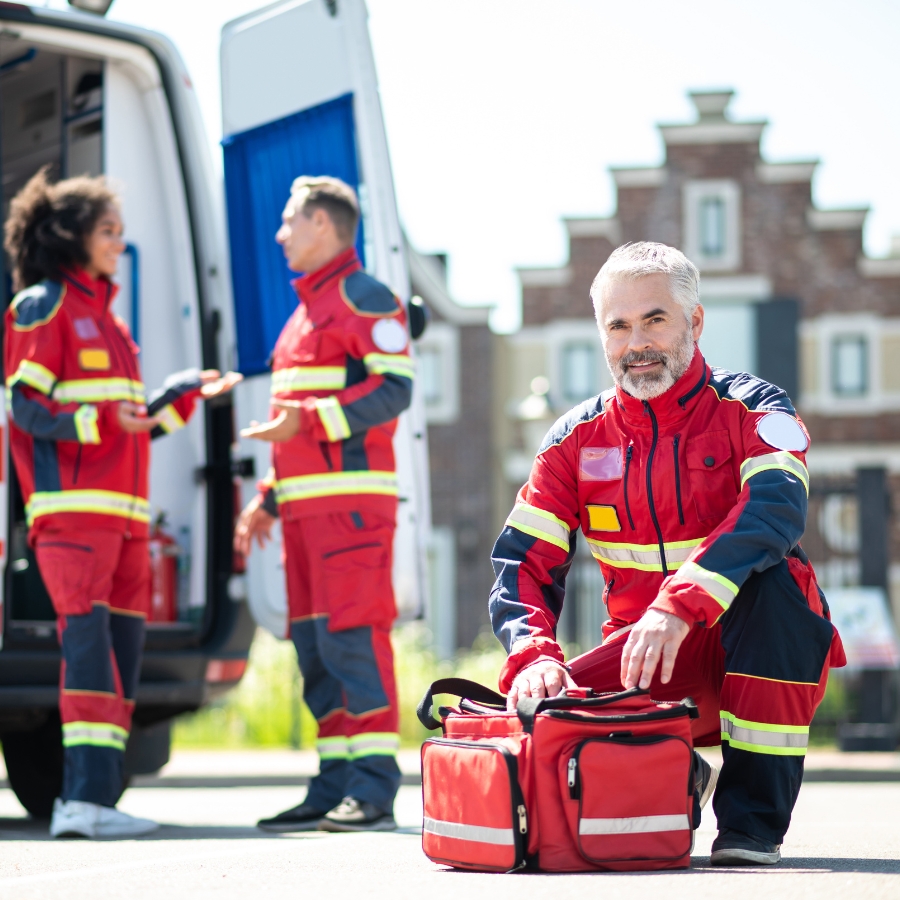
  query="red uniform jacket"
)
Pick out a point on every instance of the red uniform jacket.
point(680, 499)
point(345, 354)
point(69, 362)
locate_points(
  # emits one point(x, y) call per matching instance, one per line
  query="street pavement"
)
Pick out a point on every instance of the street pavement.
point(845, 840)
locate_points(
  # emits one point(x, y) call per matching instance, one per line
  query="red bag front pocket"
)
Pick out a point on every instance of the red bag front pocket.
point(635, 797)
point(474, 813)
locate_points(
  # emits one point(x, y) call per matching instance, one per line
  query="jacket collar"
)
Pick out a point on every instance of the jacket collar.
point(313, 284)
point(676, 403)
point(98, 293)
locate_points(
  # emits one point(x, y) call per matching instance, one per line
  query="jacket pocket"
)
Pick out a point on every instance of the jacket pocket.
point(711, 477)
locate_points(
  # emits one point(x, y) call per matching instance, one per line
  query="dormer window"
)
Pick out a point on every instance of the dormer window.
point(712, 219)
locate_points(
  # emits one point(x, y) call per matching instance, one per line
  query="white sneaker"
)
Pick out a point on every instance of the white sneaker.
point(78, 818)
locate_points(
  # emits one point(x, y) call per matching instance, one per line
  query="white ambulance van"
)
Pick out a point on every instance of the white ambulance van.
point(85, 95)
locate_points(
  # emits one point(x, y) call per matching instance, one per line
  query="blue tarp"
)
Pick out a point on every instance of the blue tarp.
point(260, 165)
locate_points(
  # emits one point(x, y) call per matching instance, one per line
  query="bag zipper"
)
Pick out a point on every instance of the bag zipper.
point(677, 479)
point(628, 454)
point(651, 504)
point(674, 713)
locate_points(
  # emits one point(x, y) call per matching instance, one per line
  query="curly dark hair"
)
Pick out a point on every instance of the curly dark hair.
point(48, 223)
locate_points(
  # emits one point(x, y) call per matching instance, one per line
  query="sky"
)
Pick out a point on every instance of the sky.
point(503, 116)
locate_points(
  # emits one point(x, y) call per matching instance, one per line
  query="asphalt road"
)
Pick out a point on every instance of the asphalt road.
point(844, 842)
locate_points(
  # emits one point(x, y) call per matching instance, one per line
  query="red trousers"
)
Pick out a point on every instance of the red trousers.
point(99, 583)
point(341, 607)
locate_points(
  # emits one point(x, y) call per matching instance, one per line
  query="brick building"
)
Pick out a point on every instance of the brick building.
point(789, 295)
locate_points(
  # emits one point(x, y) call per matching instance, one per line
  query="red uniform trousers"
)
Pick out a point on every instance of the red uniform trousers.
point(341, 607)
point(757, 677)
point(99, 582)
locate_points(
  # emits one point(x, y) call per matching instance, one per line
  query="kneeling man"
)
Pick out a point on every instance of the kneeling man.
point(690, 486)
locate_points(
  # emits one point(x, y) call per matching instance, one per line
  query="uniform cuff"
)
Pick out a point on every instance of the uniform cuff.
point(332, 418)
point(86, 418)
point(269, 503)
point(526, 652)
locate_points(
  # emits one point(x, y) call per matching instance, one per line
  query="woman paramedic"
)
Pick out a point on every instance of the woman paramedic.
point(80, 438)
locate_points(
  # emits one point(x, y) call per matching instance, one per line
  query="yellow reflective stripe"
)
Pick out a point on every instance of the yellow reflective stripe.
point(96, 390)
point(331, 484)
point(94, 734)
point(332, 417)
point(389, 363)
point(644, 557)
point(540, 524)
point(34, 375)
point(373, 743)
point(169, 419)
point(764, 737)
point(780, 460)
point(110, 503)
point(717, 586)
point(309, 378)
point(86, 424)
point(332, 748)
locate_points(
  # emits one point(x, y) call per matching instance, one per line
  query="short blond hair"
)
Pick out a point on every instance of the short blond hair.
point(336, 197)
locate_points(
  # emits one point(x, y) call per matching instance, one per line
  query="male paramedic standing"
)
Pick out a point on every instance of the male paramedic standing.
point(690, 486)
point(341, 375)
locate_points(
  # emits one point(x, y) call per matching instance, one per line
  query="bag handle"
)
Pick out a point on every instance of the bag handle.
point(528, 707)
point(461, 687)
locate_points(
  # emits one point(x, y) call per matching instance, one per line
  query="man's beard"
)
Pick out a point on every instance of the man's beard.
point(647, 385)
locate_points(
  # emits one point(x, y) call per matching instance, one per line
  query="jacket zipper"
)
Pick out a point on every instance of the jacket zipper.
point(628, 454)
point(650, 503)
point(678, 479)
point(77, 464)
point(606, 593)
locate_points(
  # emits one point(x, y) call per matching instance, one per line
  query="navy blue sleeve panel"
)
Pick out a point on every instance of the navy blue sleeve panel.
point(382, 405)
point(174, 388)
point(509, 615)
point(32, 416)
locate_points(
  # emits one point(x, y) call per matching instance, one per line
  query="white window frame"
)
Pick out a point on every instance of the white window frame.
point(443, 338)
point(729, 193)
point(557, 335)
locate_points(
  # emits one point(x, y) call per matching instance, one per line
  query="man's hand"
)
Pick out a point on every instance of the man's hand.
point(282, 428)
point(656, 636)
point(133, 419)
point(215, 384)
point(545, 678)
point(254, 522)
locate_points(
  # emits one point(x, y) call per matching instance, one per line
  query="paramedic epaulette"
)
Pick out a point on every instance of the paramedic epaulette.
point(37, 305)
point(567, 423)
point(757, 395)
point(368, 297)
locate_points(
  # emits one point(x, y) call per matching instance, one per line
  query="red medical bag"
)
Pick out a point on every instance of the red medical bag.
point(578, 782)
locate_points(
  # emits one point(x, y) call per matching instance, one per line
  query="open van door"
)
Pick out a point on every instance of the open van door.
point(300, 96)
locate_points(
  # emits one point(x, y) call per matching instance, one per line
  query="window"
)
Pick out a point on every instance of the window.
point(579, 371)
point(850, 365)
point(430, 375)
point(437, 372)
point(712, 226)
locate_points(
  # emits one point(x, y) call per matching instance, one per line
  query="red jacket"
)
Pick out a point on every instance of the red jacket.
point(680, 499)
point(69, 362)
point(345, 354)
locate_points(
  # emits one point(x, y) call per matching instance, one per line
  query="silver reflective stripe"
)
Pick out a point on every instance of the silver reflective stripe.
point(540, 524)
point(643, 556)
point(717, 586)
point(480, 834)
point(618, 633)
point(768, 461)
point(772, 737)
point(309, 378)
point(634, 825)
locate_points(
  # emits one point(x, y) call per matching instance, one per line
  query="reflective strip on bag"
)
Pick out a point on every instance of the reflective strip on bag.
point(540, 524)
point(643, 556)
point(309, 378)
point(333, 484)
point(94, 734)
point(96, 390)
point(34, 375)
point(110, 503)
point(332, 748)
point(169, 419)
point(634, 825)
point(763, 737)
point(333, 420)
point(390, 364)
point(86, 424)
point(374, 743)
point(717, 586)
point(781, 460)
point(480, 834)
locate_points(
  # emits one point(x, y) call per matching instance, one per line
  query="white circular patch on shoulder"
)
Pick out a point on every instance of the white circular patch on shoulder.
point(389, 335)
point(782, 431)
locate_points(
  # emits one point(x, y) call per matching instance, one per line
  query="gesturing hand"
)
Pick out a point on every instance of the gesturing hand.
point(133, 418)
point(216, 384)
point(254, 522)
point(282, 428)
point(656, 636)
point(545, 678)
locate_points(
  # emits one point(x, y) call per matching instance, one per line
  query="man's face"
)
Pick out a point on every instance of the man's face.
point(300, 237)
point(648, 341)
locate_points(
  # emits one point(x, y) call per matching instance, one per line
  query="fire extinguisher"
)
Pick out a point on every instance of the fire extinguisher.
point(164, 552)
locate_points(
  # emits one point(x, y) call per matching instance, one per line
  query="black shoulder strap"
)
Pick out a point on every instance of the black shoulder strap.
point(461, 687)
point(529, 707)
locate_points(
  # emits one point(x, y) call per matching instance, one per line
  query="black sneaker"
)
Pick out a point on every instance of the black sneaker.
point(299, 818)
point(705, 778)
point(355, 815)
point(734, 848)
